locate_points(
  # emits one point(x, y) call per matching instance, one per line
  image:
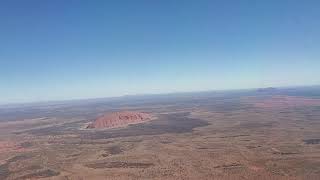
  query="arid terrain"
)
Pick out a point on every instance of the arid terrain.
point(248, 134)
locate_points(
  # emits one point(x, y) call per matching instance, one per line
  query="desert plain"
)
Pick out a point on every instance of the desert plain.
point(246, 134)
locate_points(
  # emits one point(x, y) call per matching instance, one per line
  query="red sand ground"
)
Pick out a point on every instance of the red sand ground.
point(287, 101)
point(120, 119)
point(7, 146)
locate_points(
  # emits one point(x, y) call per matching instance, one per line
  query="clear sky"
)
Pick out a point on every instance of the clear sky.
point(70, 49)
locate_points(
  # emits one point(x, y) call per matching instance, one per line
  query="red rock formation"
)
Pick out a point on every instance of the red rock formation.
point(119, 119)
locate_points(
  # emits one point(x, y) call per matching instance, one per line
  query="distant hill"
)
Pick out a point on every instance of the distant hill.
point(268, 89)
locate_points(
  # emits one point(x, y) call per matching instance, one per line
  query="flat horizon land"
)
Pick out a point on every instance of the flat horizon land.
point(268, 133)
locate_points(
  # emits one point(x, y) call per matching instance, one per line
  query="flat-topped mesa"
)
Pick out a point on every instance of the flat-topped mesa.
point(119, 119)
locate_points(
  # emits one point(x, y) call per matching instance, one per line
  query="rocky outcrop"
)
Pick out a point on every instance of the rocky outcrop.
point(119, 119)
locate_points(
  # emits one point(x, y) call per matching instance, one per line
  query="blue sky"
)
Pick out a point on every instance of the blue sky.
point(70, 49)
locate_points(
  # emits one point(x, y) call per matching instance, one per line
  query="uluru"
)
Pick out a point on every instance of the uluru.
point(119, 119)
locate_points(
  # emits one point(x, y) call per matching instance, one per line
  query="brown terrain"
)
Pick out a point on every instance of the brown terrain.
point(249, 135)
point(120, 119)
point(287, 101)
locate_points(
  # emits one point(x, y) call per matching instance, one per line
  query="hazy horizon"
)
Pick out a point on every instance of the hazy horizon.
point(159, 94)
point(64, 50)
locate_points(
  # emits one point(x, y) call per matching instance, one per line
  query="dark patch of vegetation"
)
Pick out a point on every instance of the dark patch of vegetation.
point(26, 144)
point(253, 147)
point(285, 153)
point(19, 158)
point(254, 125)
point(73, 155)
point(312, 141)
point(241, 135)
point(114, 150)
point(165, 142)
point(134, 141)
point(79, 142)
point(41, 174)
point(32, 168)
point(52, 130)
point(4, 168)
point(226, 105)
point(119, 165)
point(228, 166)
point(4, 171)
point(205, 148)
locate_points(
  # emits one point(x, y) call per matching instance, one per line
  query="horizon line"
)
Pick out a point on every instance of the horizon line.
point(148, 94)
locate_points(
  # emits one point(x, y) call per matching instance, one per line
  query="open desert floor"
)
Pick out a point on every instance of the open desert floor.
point(218, 135)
